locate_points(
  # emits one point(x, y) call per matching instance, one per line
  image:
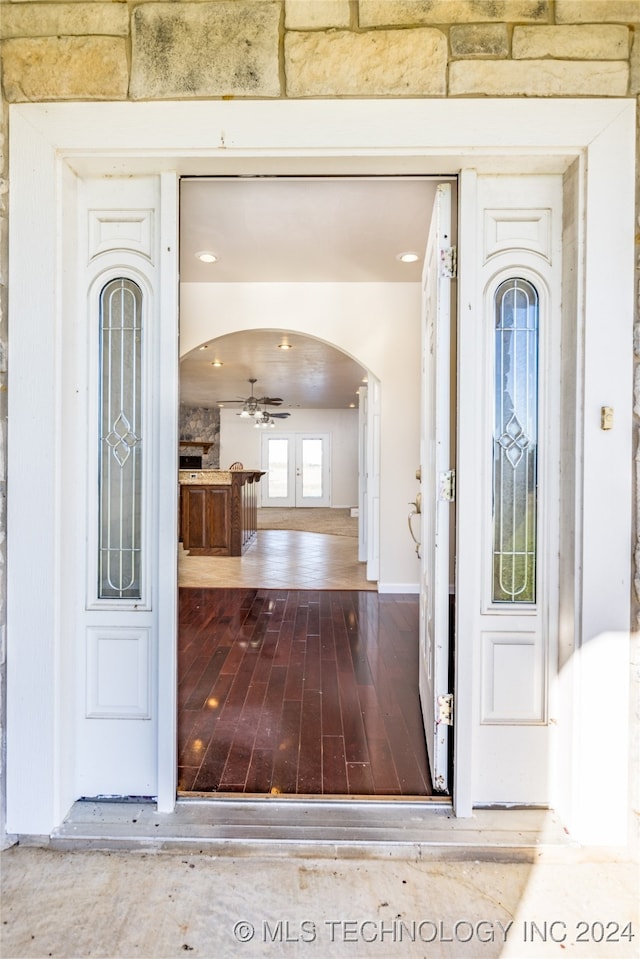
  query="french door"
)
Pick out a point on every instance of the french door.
point(298, 469)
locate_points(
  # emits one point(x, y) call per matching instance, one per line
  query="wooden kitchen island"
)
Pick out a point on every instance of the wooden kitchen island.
point(218, 510)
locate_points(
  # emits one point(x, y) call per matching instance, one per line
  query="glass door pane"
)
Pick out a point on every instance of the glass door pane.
point(311, 468)
point(277, 468)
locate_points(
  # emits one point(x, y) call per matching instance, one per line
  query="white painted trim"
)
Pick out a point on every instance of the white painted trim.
point(201, 137)
point(166, 429)
point(602, 650)
point(468, 453)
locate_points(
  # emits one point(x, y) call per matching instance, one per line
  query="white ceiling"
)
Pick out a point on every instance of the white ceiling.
point(266, 229)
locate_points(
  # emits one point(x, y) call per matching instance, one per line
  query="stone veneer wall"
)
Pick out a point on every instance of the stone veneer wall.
point(199, 424)
point(97, 50)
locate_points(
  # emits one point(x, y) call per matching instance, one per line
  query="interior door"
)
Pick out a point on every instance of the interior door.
point(298, 469)
point(436, 487)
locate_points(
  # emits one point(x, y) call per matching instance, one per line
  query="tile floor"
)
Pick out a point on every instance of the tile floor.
point(281, 559)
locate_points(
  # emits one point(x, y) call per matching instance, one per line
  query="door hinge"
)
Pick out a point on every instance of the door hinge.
point(447, 491)
point(449, 262)
point(445, 710)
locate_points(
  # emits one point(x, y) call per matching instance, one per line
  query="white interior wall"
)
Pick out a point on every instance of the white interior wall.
point(378, 324)
point(240, 440)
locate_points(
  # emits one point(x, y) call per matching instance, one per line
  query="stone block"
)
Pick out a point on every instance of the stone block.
point(65, 68)
point(479, 40)
point(316, 14)
point(379, 63)
point(225, 48)
point(378, 13)
point(538, 78)
point(588, 42)
point(597, 11)
point(634, 65)
point(64, 19)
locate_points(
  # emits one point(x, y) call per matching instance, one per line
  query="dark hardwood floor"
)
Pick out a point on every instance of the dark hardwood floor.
point(299, 692)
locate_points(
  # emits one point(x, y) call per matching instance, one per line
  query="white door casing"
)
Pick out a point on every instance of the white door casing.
point(373, 427)
point(363, 474)
point(52, 144)
point(436, 488)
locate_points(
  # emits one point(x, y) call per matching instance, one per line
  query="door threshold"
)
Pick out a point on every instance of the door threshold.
point(314, 797)
point(318, 828)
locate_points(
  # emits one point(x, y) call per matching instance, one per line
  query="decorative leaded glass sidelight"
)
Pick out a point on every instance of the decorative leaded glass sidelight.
point(515, 442)
point(120, 456)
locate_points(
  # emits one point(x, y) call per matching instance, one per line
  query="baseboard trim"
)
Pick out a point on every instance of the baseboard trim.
point(399, 588)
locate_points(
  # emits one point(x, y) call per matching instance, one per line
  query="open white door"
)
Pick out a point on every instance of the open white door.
point(436, 488)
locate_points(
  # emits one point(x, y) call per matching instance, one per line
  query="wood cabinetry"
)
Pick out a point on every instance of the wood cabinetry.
point(218, 511)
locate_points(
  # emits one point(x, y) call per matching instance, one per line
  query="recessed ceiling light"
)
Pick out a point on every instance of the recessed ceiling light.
point(408, 257)
point(205, 346)
point(284, 345)
point(207, 257)
point(217, 363)
point(352, 406)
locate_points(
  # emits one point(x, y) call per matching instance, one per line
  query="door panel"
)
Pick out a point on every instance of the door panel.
point(435, 458)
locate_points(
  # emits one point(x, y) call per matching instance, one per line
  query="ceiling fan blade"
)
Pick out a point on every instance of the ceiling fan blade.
point(270, 400)
point(279, 416)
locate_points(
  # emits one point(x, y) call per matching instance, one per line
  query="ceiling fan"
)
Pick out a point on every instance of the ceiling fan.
point(251, 407)
point(266, 418)
point(251, 403)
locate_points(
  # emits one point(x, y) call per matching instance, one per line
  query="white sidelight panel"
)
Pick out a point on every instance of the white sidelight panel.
point(115, 346)
point(508, 412)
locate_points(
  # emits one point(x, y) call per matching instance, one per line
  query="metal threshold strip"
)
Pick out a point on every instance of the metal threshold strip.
point(317, 828)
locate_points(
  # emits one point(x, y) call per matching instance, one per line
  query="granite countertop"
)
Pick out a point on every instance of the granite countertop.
point(211, 477)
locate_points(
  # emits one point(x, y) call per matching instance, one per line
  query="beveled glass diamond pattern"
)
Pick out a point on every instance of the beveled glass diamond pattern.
point(121, 439)
point(514, 441)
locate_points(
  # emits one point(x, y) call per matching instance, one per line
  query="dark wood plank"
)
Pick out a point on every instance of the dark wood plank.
point(284, 775)
point(307, 692)
point(334, 767)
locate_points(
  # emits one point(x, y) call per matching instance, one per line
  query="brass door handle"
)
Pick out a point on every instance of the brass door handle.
point(415, 512)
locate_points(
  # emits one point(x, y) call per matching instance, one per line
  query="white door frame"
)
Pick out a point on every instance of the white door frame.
point(50, 144)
